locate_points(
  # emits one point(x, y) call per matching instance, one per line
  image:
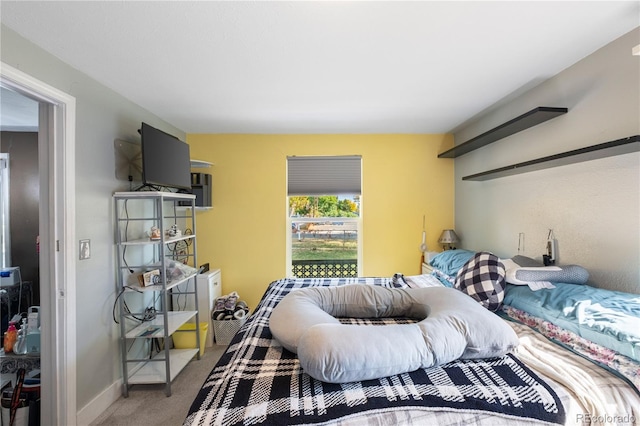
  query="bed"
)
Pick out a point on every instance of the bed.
point(257, 381)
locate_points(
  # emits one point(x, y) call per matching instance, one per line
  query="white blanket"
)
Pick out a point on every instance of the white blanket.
point(596, 396)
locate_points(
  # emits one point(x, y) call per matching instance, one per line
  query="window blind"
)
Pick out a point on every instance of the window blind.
point(324, 175)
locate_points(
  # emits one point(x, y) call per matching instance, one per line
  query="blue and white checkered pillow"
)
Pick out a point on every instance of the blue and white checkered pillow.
point(483, 278)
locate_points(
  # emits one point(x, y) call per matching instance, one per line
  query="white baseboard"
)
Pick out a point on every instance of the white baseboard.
point(99, 404)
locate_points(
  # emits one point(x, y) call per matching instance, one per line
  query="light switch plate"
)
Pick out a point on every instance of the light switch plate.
point(85, 249)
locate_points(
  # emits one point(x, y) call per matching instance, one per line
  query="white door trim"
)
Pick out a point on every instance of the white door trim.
point(57, 252)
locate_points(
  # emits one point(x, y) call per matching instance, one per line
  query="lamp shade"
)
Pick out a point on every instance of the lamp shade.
point(448, 236)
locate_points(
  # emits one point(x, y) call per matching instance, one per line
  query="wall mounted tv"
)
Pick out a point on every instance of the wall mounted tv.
point(165, 161)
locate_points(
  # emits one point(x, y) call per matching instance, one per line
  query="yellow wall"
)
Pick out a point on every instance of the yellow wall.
point(244, 234)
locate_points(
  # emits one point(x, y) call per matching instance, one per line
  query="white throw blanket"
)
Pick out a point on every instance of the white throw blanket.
point(595, 393)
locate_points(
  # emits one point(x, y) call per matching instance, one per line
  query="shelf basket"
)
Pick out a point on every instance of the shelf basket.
point(223, 331)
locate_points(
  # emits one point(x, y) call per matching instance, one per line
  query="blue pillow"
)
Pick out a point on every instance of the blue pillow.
point(450, 261)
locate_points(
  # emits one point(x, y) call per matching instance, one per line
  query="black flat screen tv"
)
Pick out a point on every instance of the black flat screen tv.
point(165, 160)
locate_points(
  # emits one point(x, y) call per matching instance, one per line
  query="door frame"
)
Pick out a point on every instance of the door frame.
point(56, 162)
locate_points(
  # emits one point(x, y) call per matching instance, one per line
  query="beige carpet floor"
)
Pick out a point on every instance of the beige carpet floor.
point(148, 405)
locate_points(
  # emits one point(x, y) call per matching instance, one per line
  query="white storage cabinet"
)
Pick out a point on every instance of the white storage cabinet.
point(136, 253)
point(209, 289)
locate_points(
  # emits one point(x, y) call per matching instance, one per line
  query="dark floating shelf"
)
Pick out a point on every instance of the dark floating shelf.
point(529, 119)
point(594, 152)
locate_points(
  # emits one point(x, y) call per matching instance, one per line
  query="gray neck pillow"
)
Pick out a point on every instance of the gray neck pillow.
point(451, 325)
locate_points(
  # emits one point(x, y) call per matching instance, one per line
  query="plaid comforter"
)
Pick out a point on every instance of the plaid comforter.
point(257, 381)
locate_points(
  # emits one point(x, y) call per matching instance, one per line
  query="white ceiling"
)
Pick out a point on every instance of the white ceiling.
point(320, 66)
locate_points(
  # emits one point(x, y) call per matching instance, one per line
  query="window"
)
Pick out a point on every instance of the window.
point(324, 217)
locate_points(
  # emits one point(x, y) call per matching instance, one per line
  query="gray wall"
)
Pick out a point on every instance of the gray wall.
point(102, 117)
point(592, 207)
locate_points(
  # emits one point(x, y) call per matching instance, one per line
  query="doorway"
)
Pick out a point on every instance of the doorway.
point(56, 210)
point(19, 201)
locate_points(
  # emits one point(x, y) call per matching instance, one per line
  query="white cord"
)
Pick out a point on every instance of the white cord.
point(520, 242)
point(20, 294)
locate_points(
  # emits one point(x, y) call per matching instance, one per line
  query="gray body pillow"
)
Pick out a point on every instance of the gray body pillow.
point(452, 326)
